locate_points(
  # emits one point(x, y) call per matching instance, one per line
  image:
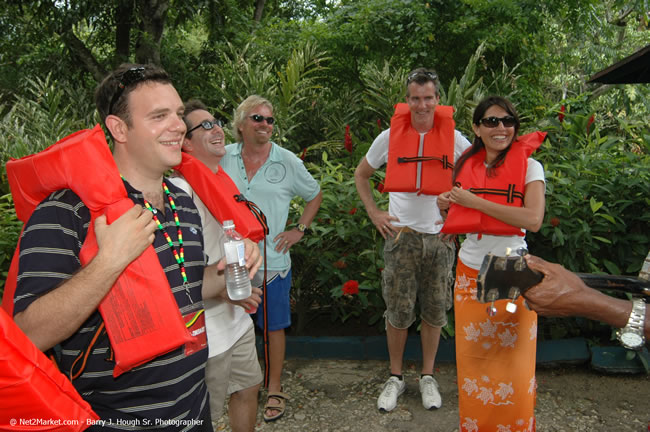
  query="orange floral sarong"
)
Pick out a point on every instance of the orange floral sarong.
point(495, 357)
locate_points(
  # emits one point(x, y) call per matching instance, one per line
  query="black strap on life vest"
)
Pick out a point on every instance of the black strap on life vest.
point(77, 368)
point(261, 217)
point(509, 193)
point(444, 160)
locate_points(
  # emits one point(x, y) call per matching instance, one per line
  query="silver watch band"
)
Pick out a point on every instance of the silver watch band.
point(636, 320)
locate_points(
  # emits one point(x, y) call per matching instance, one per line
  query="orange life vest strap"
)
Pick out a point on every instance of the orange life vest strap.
point(510, 193)
point(444, 160)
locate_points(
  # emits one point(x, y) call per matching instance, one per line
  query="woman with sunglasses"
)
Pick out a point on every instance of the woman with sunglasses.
point(498, 194)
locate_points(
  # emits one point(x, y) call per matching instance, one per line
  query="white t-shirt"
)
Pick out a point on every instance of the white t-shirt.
point(225, 323)
point(473, 250)
point(418, 212)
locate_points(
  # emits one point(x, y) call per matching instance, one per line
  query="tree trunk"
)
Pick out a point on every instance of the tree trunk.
point(79, 51)
point(124, 22)
point(152, 14)
point(259, 9)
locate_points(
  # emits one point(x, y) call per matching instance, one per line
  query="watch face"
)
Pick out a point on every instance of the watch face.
point(631, 339)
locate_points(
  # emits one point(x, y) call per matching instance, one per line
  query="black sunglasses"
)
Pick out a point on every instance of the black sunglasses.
point(206, 124)
point(414, 75)
point(492, 122)
point(130, 77)
point(260, 118)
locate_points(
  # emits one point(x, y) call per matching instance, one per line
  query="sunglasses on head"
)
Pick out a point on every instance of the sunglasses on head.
point(414, 75)
point(260, 118)
point(492, 122)
point(130, 77)
point(206, 124)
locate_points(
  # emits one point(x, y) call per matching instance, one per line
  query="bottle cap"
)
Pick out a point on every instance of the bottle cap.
point(228, 224)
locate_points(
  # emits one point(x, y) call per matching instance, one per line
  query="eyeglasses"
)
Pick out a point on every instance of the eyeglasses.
point(414, 75)
point(260, 118)
point(205, 124)
point(492, 122)
point(130, 77)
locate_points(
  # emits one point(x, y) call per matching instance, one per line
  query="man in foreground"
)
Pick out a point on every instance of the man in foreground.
point(56, 300)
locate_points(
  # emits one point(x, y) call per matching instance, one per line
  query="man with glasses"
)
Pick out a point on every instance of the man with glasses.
point(419, 149)
point(232, 366)
point(271, 177)
point(56, 300)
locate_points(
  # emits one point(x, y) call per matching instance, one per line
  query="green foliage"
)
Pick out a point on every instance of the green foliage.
point(11, 228)
point(598, 193)
point(349, 248)
point(330, 66)
point(51, 111)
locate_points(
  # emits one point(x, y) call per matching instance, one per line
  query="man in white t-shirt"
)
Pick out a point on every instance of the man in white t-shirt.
point(418, 260)
point(232, 367)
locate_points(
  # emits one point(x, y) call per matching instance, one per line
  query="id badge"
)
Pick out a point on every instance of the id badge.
point(195, 323)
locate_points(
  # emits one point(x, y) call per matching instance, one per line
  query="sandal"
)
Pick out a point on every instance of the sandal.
point(280, 407)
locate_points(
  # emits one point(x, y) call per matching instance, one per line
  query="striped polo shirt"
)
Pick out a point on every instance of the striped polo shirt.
point(167, 393)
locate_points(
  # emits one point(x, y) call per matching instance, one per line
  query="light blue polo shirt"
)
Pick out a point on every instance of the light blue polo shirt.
point(282, 177)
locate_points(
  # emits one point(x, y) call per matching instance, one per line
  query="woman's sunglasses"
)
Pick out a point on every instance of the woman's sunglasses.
point(260, 118)
point(492, 122)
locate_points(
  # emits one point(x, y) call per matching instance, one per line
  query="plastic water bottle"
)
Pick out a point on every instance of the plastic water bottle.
point(237, 282)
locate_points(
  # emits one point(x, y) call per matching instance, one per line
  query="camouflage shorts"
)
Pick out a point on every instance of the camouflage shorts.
point(417, 267)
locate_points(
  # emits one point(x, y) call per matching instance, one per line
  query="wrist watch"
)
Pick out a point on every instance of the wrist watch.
point(631, 336)
point(302, 228)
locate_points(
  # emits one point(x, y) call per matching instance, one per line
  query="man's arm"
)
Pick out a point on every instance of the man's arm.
point(380, 218)
point(286, 239)
point(57, 315)
point(562, 293)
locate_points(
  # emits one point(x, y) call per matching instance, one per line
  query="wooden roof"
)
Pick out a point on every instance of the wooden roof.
point(634, 69)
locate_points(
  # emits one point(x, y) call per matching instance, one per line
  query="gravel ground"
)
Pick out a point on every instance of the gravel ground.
point(340, 395)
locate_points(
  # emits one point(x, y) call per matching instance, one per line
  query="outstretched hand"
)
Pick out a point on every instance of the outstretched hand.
point(559, 293)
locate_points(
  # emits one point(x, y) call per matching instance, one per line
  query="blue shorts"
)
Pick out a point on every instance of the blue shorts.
point(278, 308)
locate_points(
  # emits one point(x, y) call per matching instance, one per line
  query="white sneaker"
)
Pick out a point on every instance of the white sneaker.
point(430, 395)
point(387, 400)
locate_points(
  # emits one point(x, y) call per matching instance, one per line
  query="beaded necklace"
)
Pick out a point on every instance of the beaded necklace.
point(178, 255)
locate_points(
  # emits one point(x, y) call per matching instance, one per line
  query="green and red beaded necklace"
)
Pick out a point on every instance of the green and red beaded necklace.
point(180, 254)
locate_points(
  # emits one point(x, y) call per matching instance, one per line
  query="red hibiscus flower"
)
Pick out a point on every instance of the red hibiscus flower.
point(351, 287)
point(380, 187)
point(353, 210)
point(348, 139)
point(560, 116)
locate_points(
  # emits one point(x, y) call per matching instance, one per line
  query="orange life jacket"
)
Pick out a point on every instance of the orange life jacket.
point(425, 167)
point(31, 387)
point(221, 196)
point(506, 187)
point(83, 163)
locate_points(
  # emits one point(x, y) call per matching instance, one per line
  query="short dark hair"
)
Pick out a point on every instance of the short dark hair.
point(111, 94)
point(422, 76)
point(192, 105)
